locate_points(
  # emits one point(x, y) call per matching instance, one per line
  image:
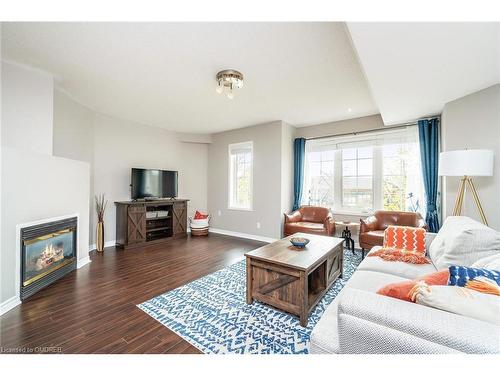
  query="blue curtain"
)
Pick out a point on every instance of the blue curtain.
point(428, 132)
point(299, 151)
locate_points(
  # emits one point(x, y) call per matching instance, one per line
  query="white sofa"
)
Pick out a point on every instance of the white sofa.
point(361, 321)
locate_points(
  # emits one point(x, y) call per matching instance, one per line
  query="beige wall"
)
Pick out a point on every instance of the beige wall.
point(267, 199)
point(474, 122)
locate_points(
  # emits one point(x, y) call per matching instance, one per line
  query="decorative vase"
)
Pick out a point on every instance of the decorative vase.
point(100, 237)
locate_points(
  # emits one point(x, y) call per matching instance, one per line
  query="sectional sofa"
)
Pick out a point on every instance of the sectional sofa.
point(361, 321)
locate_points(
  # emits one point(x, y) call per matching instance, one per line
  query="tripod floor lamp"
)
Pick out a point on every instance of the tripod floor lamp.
point(466, 164)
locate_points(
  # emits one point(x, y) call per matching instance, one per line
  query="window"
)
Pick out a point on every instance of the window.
point(240, 175)
point(321, 169)
point(362, 173)
point(357, 178)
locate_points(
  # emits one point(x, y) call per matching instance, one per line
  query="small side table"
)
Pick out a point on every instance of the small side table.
point(347, 234)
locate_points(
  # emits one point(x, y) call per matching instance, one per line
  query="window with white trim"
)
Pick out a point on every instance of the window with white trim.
point(362, 173)
point(241, 175)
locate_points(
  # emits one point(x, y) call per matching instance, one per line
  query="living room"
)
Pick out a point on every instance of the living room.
point(250, 187)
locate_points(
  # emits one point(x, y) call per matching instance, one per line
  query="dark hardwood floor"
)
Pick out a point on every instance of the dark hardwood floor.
point(93, 309)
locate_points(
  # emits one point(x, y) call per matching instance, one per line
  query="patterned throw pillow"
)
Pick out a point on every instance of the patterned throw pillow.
point(478, 279)
point(460, 275)
point(403, 244)
point(405, 238)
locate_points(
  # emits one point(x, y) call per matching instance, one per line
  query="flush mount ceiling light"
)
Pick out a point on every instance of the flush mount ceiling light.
point(227, 80)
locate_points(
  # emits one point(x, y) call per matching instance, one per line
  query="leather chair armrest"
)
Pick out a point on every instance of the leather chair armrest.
point(330, 225)
point(422, 224)
point(293, 217)
point(368, 224)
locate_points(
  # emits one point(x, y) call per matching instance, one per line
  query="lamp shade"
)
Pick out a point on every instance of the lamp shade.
point(466, 163)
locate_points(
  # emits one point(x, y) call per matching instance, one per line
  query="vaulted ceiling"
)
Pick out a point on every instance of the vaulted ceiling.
point(163, 74)
point(415, 68)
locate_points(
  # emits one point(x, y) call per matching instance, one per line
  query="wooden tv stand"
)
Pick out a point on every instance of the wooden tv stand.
point(136, 227)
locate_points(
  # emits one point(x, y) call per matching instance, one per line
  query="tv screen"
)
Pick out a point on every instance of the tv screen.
point(153, 183)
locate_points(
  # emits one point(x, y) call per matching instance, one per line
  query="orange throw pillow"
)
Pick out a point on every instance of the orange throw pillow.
point(401, 290)
point(405, 238)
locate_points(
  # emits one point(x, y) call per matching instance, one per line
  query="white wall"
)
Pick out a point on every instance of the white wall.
point(113, 146)
point(37, 187)
point(341, 127)
point(27, 108)
point(474, 122)
point(287, 138)
point(35, 184)
point(121, 145)
point(73, 138)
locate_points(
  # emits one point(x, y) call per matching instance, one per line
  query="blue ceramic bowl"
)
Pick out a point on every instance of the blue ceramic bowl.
point(299, 241)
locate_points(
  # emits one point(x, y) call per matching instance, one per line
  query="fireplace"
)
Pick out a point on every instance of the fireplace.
point(48, 252)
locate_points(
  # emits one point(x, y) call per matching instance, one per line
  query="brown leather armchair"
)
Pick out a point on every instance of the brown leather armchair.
point(310, 219)
point(371, 231)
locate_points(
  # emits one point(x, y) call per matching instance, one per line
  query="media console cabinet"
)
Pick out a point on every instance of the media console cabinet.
point(143, 222)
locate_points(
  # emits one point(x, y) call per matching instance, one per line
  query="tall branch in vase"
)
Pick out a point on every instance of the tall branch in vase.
point(100, 208)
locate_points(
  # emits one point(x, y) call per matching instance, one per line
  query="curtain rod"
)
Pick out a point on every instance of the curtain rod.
point(388, 127)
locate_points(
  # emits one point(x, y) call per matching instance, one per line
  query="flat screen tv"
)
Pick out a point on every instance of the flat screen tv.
point(153, 183)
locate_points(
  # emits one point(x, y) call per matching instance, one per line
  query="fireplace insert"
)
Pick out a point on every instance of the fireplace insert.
point(48, 252)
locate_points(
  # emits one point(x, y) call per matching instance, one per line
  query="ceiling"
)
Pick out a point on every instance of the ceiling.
point(413, 69)
point(163, 74)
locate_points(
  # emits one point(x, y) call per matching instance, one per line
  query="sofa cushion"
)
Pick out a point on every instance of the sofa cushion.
point(454, 299)
point(371, 281)
point(463, 241)
point(324, 337)
point(400, 269)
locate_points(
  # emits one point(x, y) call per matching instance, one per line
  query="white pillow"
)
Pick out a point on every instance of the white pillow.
point(491, 263)
point(462, 241)
point(461, 301)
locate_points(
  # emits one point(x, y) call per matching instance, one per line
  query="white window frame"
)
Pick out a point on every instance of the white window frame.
point(230, 177)
point(339, 203)
point(377, 174)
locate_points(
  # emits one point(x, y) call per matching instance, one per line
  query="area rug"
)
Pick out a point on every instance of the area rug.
point(211, 313)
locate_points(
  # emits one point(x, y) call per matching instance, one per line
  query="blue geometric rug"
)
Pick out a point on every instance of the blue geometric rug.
point(211, 313)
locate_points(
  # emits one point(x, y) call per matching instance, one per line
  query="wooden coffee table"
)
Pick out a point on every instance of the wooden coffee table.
point(294, 280)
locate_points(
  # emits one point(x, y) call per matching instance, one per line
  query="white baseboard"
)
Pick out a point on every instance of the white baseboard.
point(243, 235)
point(106, 244)
point(82, 262)
point(9, 304)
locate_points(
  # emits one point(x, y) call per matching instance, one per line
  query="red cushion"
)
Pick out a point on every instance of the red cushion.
point(402, 289)
point(198, 215)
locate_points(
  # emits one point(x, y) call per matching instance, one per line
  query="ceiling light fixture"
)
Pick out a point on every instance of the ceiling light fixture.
point(227, 80)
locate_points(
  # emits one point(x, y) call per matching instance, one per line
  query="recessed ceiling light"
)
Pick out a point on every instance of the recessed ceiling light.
point(349, 110)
